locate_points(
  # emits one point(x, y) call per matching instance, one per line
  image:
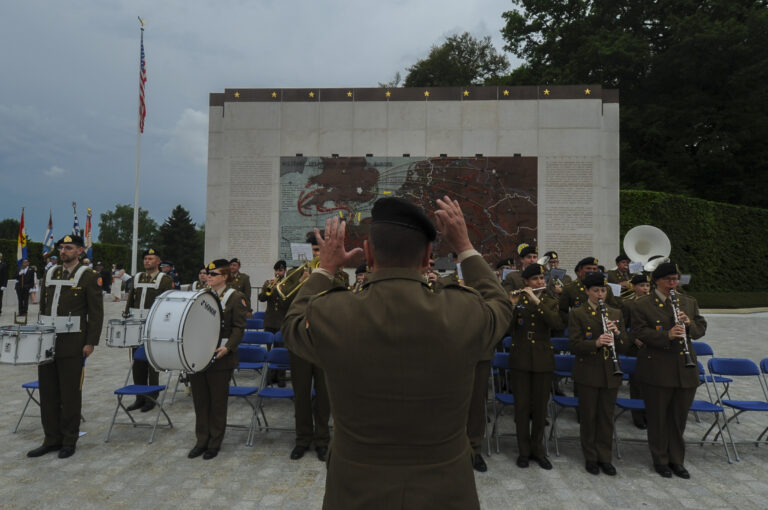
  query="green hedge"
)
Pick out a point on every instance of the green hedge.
point(107, 253)
point(722, 246)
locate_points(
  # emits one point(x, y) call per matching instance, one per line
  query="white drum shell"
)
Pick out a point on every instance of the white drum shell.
point(124, 332)
point(27, 345)
point(182, 330)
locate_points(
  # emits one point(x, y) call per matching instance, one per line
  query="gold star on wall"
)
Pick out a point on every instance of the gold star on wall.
point(506, 92)
point(237, 94)
point(466, 93)
point(546, 92)
point(388, 93)
point(349, 93)
point(426, 93)
point(311, 94)
point(587, 92)
point(274, 94)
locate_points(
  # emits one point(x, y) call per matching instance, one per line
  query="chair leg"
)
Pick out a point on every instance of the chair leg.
point(722, 436)
point(114, 417)
point(160, 409)
point(30, 394)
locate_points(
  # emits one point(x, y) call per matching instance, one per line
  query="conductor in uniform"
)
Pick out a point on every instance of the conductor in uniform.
point(147, 285)
point(399, 360)
point(77, 292)
point(669, 386)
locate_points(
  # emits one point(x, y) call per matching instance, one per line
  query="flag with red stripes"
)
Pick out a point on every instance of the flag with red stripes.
point(142, 83)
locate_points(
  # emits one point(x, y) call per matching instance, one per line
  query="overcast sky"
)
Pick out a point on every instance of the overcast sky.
point(69, 86)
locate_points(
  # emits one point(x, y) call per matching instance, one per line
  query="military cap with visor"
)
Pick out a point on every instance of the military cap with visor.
point(400, 212)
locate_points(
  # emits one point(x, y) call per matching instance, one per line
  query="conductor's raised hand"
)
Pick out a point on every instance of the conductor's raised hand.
point(450, 222)
point(333, 254)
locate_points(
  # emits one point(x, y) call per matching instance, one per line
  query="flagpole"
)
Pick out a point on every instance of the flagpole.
point(135, 242)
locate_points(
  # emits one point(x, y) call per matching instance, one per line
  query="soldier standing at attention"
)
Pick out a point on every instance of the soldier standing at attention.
point(528, 255)
point(669, 386)
point(147, 285)
point(400, 377)
point(532, 361)
point(641, 286)
point(621, 274)
point(240, 282)
point(593, 373)
point(574, 294)
point(69, 291)
point(202, 280)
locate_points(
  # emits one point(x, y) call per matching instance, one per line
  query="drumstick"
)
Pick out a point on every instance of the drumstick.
point(82, 375)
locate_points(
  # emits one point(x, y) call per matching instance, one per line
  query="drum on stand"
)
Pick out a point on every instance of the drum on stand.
point(27, 345)
point(182, 330)
point(124, 332)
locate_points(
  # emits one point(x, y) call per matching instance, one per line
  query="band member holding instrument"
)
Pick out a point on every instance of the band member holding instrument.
point(69, 290)
point(574, 294)
point(594, 372)
point(669, 386)
point(532, 361)
point(202, 279)
point(621, 274)
point(240, 281)
point(528, 255)
point(360, 277)
point(553, 262)
point(147, 285)
point(641, 286)
point(210, 388)
point(276, 306)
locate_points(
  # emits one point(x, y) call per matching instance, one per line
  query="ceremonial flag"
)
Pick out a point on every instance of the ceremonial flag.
point(76, 225)
point(48, 239)
point(21, 245)
point(88, 243)
point(142, 82)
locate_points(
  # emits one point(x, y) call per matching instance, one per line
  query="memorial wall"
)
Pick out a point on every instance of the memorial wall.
point(529, 164)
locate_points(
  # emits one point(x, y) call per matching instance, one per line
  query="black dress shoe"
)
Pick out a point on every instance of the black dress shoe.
point(42, 450)
point(66, 451)
point(543, 462)
point(607, 468)
point(136, 405)
point(195, 452)
point(298, 452)
point(592, 468)
point(322, 453)
point(210, 453)
point(522, 461)
point(147, 407)
point(680, 471)
point(663, 470)
point(478, 462)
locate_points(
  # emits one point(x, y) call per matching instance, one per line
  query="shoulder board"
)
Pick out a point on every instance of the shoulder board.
point(334, 289)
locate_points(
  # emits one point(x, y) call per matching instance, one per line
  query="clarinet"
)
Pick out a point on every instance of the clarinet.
point(611, 348)
point(675, 299)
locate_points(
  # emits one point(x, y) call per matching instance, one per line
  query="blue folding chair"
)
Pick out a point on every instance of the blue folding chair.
point(278, 338)
point(254, 324)
point(563, 368)
point(506, 344)
point(628, 366)
point(259, 315)
point(277, 359)
point(258, 338)
point(560, 345)
point(502, 399)
point(145, 391)
point(250, 357)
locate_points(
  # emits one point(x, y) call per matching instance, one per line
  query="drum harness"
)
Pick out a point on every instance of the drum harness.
point(224, 299)
point(72, 282)
point(141, 310)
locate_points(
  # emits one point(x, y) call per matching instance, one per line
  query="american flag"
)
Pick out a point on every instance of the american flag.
point(142, 82)
point(48, 239)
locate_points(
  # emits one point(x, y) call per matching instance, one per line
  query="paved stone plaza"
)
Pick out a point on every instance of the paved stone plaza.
point(128, 472)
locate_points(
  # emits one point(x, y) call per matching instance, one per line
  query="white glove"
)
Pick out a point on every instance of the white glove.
point(2, 289)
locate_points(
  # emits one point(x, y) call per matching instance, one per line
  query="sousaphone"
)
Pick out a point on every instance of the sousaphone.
point(647, 244)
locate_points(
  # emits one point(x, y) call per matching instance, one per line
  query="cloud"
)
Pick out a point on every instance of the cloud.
point(54, 171)
point(189, 138)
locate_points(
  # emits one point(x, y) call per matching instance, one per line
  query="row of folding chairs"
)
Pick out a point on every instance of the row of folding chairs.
point(256, 322)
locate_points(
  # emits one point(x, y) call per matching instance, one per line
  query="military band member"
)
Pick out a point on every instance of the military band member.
point(574, 294)
point(202, 279)
point(669, 386)
point(532, 361)
point(210, 388)
point(361, 274)
point(400, 377)
point(621, 274)
point(641, 286)
point(147, 285)
point(502, 265)
point(240, 281)
point(594, 375)
point(553, 262)
point(276, 306)
point(528, 255)
point(68, 290)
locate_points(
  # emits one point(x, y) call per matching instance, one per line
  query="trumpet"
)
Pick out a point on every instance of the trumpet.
point(520, 291)
point(611, 348)
point(292, 281)
point(271, 287)
point(675, 299)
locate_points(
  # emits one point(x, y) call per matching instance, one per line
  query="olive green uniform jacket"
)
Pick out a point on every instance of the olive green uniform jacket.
point(277, 307)
point(593, 365)
point(616, 276)
point(531, 349)
point(134, 296)
point(242, 283)
point(399, 361)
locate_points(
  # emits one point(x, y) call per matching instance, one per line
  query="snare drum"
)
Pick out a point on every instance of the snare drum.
point(182, 330)
point(27, 345)
point(124, 332)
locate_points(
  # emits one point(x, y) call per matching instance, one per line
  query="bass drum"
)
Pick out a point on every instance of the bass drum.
point(182, 330)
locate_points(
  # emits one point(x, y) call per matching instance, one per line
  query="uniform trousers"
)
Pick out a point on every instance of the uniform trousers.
point(476, 420)
point(143, 373)
point(596, 407)
point(210, 393)
point(531, 391)
point(23, 296)
point(666, 410)
point(61, 400)
point(305, 376)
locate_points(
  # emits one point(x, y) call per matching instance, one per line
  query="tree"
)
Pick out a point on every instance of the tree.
point(461, 60)
point(180, 243)
point(692, 77)
point(9, 229)
point(116, 227)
